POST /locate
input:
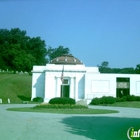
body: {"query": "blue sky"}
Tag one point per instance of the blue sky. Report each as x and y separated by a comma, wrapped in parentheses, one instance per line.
(94, 30)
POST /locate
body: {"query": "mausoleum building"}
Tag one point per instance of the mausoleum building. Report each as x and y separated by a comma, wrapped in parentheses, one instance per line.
(67, 76)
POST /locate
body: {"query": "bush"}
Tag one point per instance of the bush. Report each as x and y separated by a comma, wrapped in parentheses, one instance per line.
(111, 100)
(130, 98)
(60, 100)
(103, 100)
(137, 98)
(108, 100)
(95, 101)
(60, 106)
(38, 99)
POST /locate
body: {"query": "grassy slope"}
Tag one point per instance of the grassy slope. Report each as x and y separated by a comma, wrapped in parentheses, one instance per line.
(17, 87)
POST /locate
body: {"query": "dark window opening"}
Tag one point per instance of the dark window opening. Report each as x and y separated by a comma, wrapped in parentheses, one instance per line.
(122, 87)
(65, 89)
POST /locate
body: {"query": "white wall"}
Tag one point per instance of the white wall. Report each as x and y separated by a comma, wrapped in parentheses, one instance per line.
(38, 85)
(85, 82)
(53, 84)
(135, 85)
(92, 91)
(98, 85)
(47, 80)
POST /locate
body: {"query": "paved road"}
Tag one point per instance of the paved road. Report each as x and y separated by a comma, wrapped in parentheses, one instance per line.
(43, 126)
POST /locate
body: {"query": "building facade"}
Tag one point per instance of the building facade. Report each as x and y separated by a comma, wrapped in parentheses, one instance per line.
(67, 76)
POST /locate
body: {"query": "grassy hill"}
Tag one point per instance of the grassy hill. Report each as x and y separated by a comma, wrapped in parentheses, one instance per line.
(16, 87)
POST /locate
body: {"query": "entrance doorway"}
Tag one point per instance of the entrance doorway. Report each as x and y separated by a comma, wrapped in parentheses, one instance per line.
(65, 90)
(122, 86)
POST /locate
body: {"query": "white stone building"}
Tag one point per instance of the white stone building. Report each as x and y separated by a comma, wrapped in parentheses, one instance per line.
(66, 76)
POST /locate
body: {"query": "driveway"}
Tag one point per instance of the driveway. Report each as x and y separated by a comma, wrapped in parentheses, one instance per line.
(47, 126)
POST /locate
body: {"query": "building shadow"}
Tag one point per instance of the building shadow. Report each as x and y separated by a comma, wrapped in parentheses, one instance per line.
(81, 88)
(40, 86)
(100, 128)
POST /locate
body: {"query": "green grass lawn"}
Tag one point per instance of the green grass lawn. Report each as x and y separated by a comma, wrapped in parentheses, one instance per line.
(16, 87)
(64, 111)
(133, 104)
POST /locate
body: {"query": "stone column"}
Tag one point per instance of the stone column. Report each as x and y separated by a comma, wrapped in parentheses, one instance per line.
(75, 88)
(57, 87)
(72, 88)
(56, 81)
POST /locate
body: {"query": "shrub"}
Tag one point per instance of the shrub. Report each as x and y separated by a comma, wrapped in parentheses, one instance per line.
(111, 100)
(130, 98)
(103, 100)
(108, 100)
(137, 98)
(60, 106)
(60, 100)
(38, 99)
(95, 101)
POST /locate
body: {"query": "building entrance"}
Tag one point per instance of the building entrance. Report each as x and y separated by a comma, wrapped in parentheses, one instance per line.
(65, 88)
(122, 86)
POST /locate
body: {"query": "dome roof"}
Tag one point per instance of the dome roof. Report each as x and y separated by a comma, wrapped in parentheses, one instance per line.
(66, 59)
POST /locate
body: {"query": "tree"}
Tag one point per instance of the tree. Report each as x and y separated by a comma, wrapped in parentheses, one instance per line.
(37, 48)
(137, 70)
(55, 52)
(20, 52)
(127, 70)
(105, 64)
(20, 59)
(104, 68)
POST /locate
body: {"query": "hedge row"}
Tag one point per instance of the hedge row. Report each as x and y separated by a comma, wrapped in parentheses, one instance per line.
(59, 100)
(95, 101)
(59, 106)
(128, 98)
(103, 100)
(110, 100)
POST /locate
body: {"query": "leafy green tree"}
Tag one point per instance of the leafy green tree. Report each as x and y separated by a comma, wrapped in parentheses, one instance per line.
(127, 70)
(105, 64)
(137, 70)
(20, 52)
(104, 68)
(55, 52)
(37, 48)
(115, 70)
